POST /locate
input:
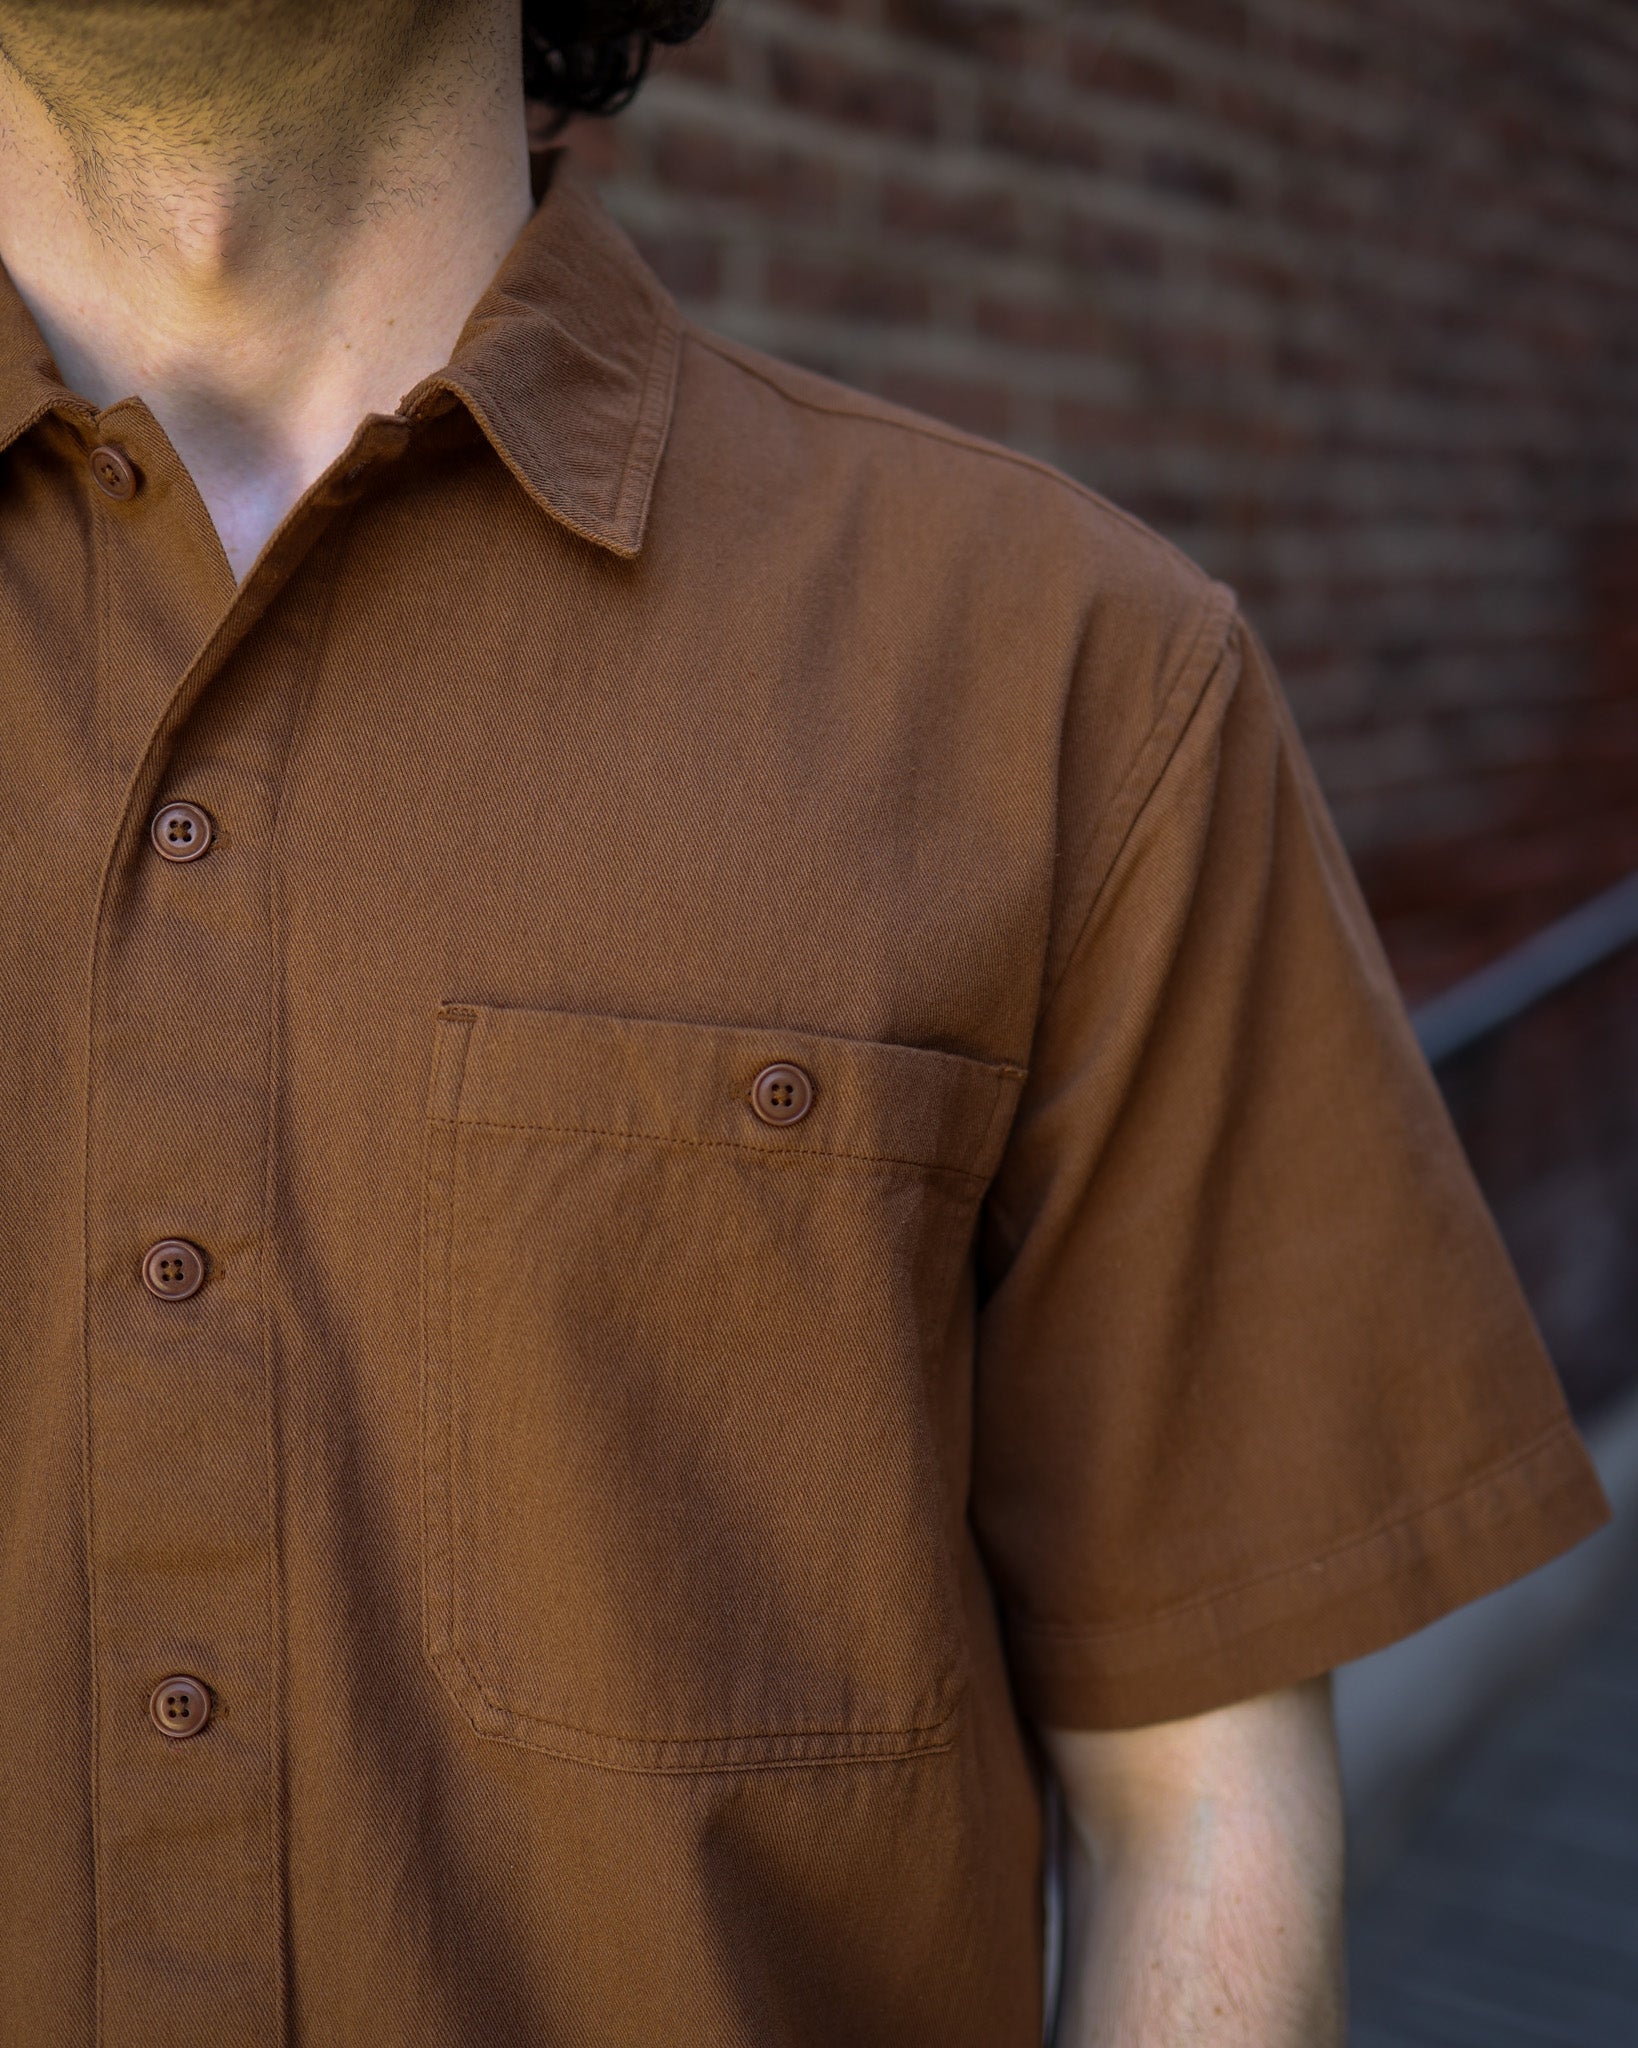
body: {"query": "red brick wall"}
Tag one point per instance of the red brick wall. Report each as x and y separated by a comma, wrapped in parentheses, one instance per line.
(1343, 298)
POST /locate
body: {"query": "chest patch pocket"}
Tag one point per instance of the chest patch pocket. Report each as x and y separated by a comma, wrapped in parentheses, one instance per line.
(682, 1285)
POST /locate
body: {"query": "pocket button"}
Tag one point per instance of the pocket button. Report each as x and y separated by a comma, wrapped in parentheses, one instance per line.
(782, 1093)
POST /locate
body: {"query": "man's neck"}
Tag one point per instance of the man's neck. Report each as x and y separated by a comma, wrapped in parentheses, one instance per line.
(263, 220)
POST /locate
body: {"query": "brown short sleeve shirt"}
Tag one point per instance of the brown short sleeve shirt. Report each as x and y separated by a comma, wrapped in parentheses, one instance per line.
(698, 1111)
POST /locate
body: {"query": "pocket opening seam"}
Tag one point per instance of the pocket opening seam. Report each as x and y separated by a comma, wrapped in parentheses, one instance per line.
(769, 1152)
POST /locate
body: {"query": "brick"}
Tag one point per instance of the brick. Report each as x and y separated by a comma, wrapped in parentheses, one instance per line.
(605, 147)
(1085, 431)
(1044, 323)
(699, 160)
(690, 265)
(1218, 21)
(707, 59)
(868, 12)
(1253, 109)
(1041, 130)
(785, 183)
(1091, 242)
(981, 405)
(1191, 174)
(893, 99)
(988, 31)
(985, 216)
(1333, 52)
(850, 289)
(1276, 280)
(1096, 61)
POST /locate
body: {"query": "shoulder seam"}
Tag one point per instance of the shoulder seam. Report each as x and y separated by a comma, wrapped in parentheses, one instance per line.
(931, 429)
(1199, 662)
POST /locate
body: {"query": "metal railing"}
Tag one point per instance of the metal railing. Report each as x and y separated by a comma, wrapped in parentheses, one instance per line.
(1497, 993)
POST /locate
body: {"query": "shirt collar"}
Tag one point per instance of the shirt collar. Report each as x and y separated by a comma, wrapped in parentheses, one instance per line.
(568, 363)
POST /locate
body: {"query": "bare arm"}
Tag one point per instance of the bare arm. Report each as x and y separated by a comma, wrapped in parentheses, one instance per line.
(1203, 1879)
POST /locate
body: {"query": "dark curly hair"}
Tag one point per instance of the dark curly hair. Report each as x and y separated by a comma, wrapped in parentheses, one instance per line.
(589, 56)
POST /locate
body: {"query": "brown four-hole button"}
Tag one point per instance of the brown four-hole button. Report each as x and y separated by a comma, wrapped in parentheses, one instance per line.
(782, 1093)
(179, 1707)
(173, 1269)
(113, 472)
(182, 831)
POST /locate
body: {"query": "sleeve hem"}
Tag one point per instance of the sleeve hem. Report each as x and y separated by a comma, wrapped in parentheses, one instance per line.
(1276, 1630)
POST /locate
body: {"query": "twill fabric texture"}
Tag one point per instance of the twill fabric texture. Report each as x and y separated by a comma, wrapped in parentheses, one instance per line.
(792, 1150)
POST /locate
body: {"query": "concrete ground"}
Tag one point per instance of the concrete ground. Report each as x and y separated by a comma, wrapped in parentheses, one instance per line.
(1508, 1916)
(1406, 1712)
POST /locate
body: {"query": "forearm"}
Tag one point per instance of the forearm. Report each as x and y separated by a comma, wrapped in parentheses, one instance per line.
(1208, 1913)
(1218, 1938)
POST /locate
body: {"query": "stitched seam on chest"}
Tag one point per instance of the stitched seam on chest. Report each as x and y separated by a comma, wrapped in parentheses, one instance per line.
(318, 628)
(767, 1152)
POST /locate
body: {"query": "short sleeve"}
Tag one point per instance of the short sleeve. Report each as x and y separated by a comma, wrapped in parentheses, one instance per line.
(1257, 1390)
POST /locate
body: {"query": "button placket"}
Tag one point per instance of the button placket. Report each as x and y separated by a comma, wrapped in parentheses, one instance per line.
(183, 1495)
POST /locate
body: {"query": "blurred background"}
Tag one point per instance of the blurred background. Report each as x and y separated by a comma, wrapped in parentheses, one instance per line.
(1344, 300)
